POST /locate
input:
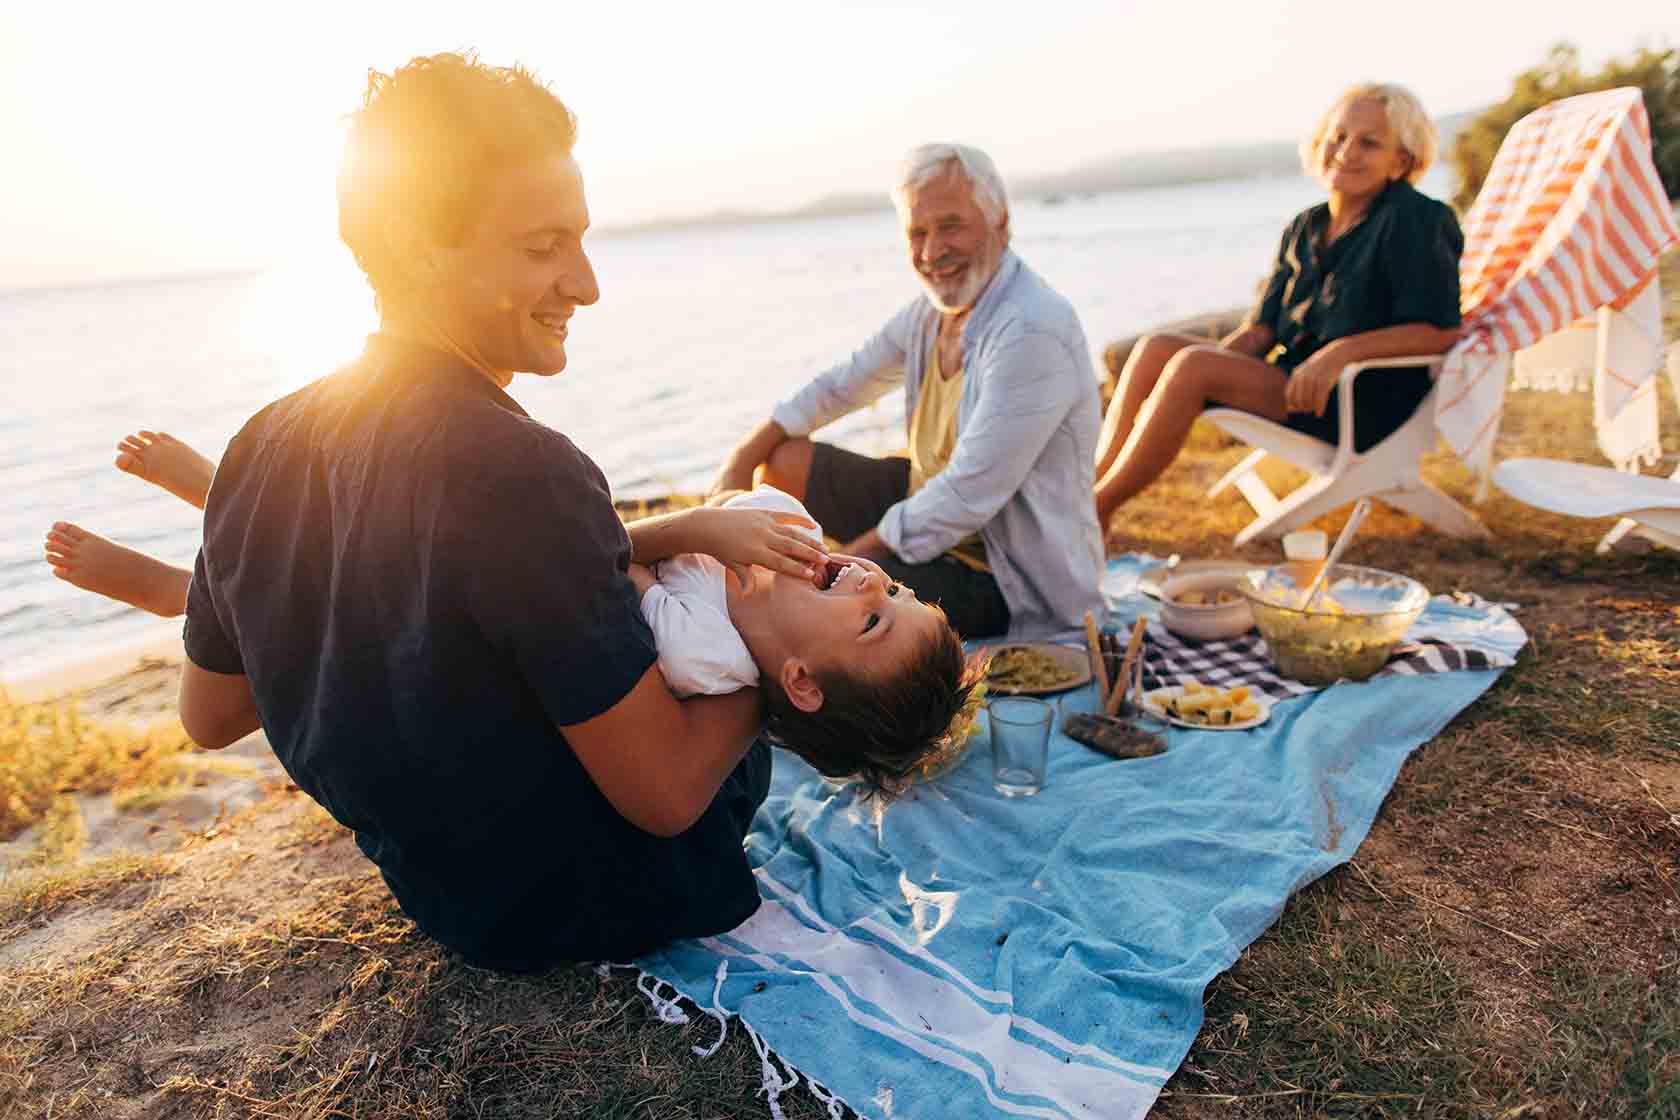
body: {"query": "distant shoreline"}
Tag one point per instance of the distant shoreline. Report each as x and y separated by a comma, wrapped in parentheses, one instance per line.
(1050, 190)
(1111, 174)
(1174, 167)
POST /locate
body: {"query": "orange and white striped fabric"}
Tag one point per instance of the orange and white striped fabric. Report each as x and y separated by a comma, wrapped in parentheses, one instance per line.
(1571, 220)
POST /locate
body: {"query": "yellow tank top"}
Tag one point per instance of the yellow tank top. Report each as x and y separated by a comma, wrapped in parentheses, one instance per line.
(933, 437)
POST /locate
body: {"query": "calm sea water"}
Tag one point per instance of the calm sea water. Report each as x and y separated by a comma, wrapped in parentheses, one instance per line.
(698, 332)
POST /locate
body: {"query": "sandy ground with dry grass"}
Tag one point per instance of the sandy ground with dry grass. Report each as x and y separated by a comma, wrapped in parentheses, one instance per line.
(1506, 943)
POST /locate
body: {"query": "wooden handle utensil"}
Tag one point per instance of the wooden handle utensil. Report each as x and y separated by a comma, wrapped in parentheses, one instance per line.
(1099, 671)
(1130, 668)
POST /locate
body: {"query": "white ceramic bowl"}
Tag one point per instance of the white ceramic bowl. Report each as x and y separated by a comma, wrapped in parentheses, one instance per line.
(1208, 621)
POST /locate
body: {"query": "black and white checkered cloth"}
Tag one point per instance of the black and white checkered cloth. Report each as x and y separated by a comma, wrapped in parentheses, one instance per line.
(1171, 660)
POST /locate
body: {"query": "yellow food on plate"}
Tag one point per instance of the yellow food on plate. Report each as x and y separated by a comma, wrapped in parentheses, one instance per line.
(1195, 702)
(1201, 702)
(1020, 667)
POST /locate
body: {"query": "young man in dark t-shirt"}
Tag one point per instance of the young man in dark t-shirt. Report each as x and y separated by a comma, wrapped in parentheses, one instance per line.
(421, 593)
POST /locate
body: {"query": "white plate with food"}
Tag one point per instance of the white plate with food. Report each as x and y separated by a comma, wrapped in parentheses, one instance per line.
(1207, 708)
(1036, 668)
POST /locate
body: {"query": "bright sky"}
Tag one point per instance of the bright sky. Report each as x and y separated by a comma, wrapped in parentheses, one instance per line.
(171, 137)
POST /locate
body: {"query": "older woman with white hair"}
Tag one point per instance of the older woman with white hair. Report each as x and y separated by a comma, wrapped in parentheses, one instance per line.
(1371, 272)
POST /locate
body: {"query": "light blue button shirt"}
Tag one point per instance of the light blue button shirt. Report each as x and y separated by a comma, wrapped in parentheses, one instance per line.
(1021, 472)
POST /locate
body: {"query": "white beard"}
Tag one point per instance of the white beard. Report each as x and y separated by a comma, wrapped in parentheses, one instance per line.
(974, 283)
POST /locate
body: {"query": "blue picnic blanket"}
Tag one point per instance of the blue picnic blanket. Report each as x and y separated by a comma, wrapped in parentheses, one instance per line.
(958, 953)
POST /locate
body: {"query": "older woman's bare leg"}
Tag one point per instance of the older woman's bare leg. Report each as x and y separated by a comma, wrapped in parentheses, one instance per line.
(1144, 364)
(165, 461)
(95, 564)
(1194, 377)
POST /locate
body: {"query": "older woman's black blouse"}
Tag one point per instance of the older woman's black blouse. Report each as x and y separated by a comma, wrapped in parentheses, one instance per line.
(1399, 265)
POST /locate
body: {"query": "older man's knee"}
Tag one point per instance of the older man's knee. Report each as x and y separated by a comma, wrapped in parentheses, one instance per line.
(789, 467)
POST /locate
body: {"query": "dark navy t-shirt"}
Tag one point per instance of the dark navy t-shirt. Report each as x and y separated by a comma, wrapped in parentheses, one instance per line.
(422, 583)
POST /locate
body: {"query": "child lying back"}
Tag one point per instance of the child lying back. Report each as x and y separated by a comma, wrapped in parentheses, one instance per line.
(860, 678)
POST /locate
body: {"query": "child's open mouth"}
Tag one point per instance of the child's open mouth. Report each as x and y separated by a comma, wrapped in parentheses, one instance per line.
(832, 572)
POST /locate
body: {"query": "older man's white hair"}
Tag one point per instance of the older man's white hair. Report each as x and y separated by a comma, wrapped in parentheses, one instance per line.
(928, 161)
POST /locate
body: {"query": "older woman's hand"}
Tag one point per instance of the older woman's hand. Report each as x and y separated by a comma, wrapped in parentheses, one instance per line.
(1309, 386)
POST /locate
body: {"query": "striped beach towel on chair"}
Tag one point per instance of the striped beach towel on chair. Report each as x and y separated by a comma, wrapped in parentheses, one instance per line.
(1570, 222)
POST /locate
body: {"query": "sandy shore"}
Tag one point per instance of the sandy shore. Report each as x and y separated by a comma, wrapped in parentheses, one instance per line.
(89, 668)
(137, 683)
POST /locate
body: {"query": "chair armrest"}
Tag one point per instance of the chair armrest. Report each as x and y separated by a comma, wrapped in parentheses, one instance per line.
(1433, 361)
(1344, 399)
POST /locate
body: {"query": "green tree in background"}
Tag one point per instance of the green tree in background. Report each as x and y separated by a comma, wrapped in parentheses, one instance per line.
(1656, 73)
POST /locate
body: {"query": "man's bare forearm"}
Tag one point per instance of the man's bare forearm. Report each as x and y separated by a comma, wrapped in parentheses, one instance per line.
(216, 709)
(717, 732)
(686, 766)
(665, 535)
(660, 760)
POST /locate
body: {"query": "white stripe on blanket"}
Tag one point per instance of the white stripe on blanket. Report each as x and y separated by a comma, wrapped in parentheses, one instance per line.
(934, 1019)
(990, 995)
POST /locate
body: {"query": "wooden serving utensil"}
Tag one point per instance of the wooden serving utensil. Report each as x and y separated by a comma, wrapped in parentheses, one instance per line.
(1099, 671)
(1360, 509)
(1130, 675)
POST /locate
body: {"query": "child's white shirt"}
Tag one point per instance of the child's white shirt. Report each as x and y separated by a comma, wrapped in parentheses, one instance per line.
(700, 651)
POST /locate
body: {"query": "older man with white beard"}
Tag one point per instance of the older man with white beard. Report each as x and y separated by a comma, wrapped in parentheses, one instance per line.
(990, 513)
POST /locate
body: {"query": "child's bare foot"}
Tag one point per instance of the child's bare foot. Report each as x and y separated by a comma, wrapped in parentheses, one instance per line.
(163, 460)
(95, 564)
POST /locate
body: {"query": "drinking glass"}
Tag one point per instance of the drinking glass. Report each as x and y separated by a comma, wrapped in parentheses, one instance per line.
(1020, 728)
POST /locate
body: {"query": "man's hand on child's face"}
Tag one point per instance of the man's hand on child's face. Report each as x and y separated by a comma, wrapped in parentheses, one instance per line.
(741, 538)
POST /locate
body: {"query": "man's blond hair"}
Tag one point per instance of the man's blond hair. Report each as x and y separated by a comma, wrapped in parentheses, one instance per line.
(418, 155)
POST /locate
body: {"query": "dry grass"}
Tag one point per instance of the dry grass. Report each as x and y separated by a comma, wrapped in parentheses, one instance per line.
(49, 751)
(267, 973)
(1507, 943)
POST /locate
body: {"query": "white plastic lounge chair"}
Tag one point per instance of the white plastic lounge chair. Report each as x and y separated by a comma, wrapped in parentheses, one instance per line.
(1648, 504)
(1571, 220)
(1390, 471)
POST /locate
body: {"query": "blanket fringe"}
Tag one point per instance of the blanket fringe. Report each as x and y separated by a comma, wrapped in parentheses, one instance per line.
(836, 1108)
(772, 1084)
(668, 1010)
(717, 1012)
